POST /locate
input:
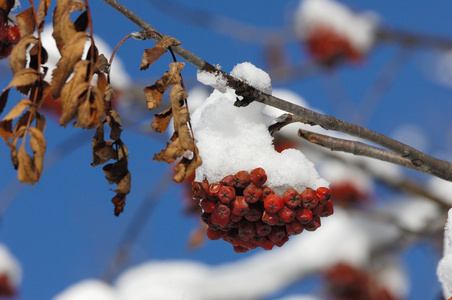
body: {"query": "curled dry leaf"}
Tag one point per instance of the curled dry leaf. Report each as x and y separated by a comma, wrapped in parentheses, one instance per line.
(152, 54)
(42, 12)
(18, 58)
(63, 27)
(91, 111)
(29, 168)
(154, 93)
(26, 22)
(70, 55)
(23, 80)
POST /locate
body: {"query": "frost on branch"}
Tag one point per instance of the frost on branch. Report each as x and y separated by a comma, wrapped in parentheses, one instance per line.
(333, 32)
(237, 148)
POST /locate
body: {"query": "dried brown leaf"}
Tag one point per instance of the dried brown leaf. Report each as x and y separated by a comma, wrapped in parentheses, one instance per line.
(102, 83)
(167, 41)
(40, 121)
(6, 129)
(124, 184)
(70, 55)
(119, 202)
(155, 92)
(115, 125)
(181, 117)
(18, 109)
(18, 59)
(102, 65)
(109, 93)
(26, 22)
(42, 12)
(24, 79)
(63, 27)
(91, 111)
(114, 172)
(6, 6)
(26, 171)
(38, 146)
(150, 56)
(161, 121)
(172, 151)
(187, 166)
(71, 102)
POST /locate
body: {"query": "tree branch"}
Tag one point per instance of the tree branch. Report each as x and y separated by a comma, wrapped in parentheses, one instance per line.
(418, 160)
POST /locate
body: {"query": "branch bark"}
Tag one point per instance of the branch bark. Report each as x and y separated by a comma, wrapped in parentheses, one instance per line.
(418, 160)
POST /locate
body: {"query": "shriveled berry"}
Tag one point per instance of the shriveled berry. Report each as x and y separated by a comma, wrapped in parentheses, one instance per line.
(282, 241)
(220, 215)
(323, 194)
(269, 218)
(286, 214)
(273, 203)
(231, 237)
(235, 218)
(242, 179)
(198, 190)
(314, 224)
(257, 240)
(304, 215)
(266, 190)
(294, 227)
(277, 234)
(262, 228)
(239, 206)
(253, 214)
(246, 229)
(252, 193)
(207, 205)
(214, 188)
(240, 249)
(327, 209)
(258, 176)
(228, 180)
(267, 244)
(213, 234)
(309, 198)
(226, 194)
(291, 198)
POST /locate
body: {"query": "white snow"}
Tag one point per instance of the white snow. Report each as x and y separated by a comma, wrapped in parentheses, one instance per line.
(10, 266)
(444, 270)
(90, 289)
(231, 139)
(330, 14)
(217, 81)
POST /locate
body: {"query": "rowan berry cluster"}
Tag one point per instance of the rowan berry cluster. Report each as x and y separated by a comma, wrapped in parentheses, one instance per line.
(9, 36)
(345, 282)
(245, 212)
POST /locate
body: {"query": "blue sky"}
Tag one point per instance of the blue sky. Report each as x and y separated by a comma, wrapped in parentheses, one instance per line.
(63, 229)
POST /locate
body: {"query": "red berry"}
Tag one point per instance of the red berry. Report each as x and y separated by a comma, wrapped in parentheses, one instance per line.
(309, 198)
(253, 214)
(273, 203)
(13, 34)
(231, 237)
(292, 198)
(304, 215)
(277, 234)
(242, 179)
(286, 214)
(314, 224)
(282, 241)
(269, 218)
(258, 176)
(239, 206)
(213, 234)
(252, 193)
(214, 188)
(323, 194)
(294, 227)
(228, 180)
(207, 205)
(226, 194)
(257, 240)
(325, 209)
(262, 228)
(220, 215)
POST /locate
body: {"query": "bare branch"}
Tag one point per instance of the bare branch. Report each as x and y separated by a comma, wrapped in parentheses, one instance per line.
(418, 160)
(412, 39)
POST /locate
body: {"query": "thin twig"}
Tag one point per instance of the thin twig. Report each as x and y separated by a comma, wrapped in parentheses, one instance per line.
(412, 39)
(418, 160)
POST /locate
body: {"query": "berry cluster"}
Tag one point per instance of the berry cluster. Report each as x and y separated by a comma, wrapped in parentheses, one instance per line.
(245, 212)
(9, 36)
(329, 47)
(345, 282)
